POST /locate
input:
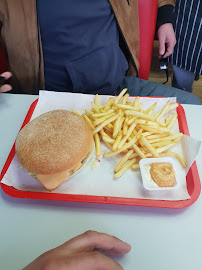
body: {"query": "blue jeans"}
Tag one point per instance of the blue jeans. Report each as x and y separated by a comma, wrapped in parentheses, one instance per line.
(139, 87)
(182, 79)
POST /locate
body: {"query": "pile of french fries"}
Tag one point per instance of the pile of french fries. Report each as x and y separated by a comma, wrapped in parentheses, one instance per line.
(135, 133)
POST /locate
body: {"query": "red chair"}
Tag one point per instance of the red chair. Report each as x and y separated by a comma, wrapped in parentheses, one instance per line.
(147, 20)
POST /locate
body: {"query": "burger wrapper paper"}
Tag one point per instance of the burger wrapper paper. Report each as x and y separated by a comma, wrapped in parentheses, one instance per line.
(99, 181)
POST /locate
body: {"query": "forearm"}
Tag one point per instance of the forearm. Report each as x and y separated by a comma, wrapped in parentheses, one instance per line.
(164, 27)
(165, 14)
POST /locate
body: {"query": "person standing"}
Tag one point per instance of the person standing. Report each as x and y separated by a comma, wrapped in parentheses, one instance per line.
(186, 58)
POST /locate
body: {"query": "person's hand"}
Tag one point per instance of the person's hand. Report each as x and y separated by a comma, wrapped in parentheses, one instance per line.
(5, 87)
(83, 253)
(167, 39)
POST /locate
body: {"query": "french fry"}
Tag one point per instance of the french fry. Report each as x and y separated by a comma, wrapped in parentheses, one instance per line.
(123, 161)
(173, 106)
(94, 164)
(96, 115)
(101, 107)
(165, 143)
(139, 151)
(146, 134)
(76, 112)
(107, 139)
(164, 148)
(103, 133)
(88, 121)
(134, 155)
(109, 103)
(121, 123)
(167, 138)
(157, 114)
(89, 113)
(106, 122)
(97, 144)
(139, 133)
(167, 119)
(102, 119)
(136, 102)
(126, 146)
(125, 168)
(140, 106)
(130, 130)
(176, 140)
(97, 100)
(160, 144)
(108, 130)
(116, 142)
(129, 103)
(143, 148)
(119, 112)
(125, 126)
(146, 122)
(151, 123)
(164, 110)
(95, 107)
(148, 146)
(140, 114)
(131, 120)
(161, 124)
(116, 127)
(154, 136)
(140, 121)
(123, 102)
(126, 107)
(135, 166)
(151, 108)
(120, 96)
(154, 129)
(181, 160)
(172, 121)
(110, 125)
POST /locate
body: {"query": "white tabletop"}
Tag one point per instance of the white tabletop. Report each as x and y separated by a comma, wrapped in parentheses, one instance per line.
(160, 238)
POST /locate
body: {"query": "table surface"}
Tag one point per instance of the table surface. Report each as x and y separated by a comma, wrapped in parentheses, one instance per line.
(160, 238)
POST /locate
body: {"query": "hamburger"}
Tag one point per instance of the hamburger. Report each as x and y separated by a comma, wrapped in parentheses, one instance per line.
(54, 146)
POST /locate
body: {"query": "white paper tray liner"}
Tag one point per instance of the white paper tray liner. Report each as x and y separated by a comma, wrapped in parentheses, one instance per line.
(99, 181)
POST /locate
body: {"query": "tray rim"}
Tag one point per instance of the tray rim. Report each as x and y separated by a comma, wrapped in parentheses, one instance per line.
(13, 192)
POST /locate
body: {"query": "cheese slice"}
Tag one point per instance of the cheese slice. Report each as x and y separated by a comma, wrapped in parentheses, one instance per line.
(51, 181)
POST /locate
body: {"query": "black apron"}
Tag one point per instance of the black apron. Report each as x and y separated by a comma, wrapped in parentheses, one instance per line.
(187, 53)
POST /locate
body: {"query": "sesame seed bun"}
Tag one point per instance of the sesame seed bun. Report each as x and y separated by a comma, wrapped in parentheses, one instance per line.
(53, 142)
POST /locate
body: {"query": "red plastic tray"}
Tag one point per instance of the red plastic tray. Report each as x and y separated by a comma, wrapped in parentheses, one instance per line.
(193, 181)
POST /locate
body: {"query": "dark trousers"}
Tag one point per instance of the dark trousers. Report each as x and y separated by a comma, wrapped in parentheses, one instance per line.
(139, 87)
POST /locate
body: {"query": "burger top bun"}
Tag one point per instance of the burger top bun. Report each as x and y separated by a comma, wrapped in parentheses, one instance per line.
(53, 142)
